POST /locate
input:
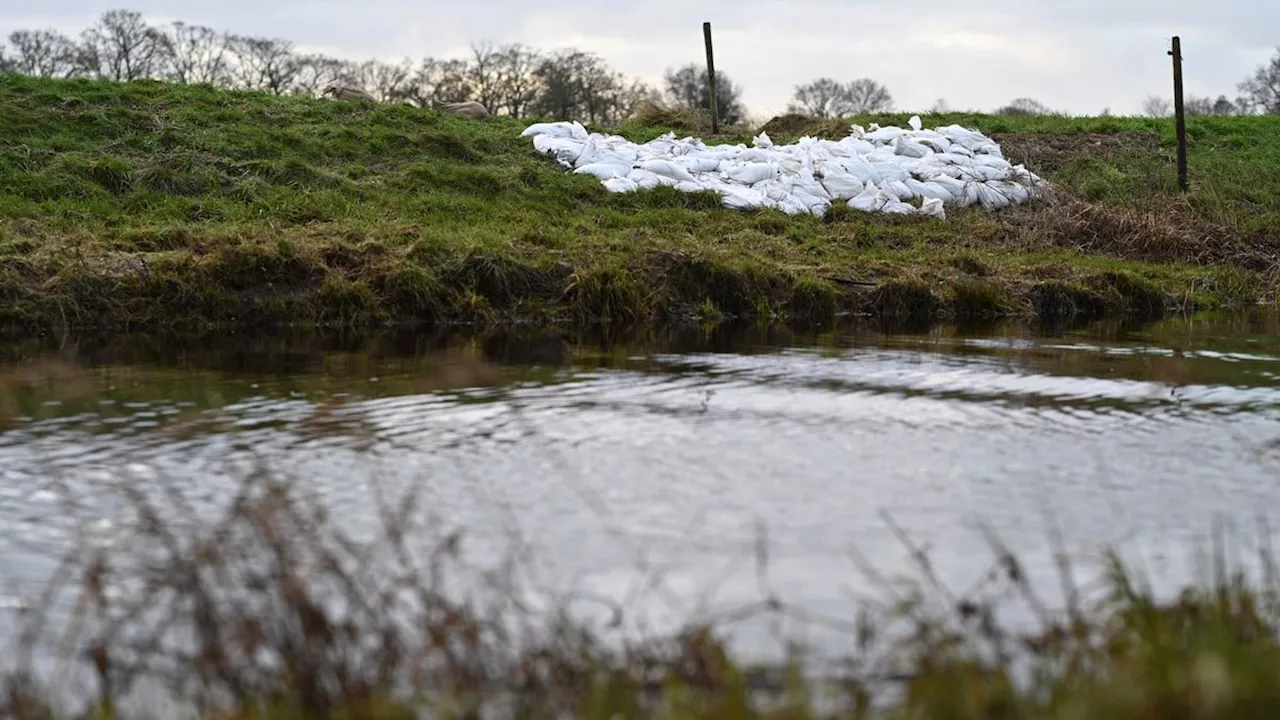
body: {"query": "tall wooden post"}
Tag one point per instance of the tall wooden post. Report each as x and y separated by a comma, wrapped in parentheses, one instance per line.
(1180, 118)
(711, 79)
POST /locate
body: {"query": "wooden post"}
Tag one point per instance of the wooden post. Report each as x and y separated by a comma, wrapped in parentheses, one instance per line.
(711, 79)
(1180, 118)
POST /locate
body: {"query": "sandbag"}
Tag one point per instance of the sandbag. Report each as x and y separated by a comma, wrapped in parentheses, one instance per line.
(752, 173)
(647, 180)
(842, 186)
(620, 185)
(930, 190)
(933, 207)
(603, 170)
(571, 130)
(905, 147)
(668, 169)
(564, 150)
(876, 169)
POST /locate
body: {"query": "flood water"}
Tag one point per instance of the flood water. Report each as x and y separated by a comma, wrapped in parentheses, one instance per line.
(652, 469)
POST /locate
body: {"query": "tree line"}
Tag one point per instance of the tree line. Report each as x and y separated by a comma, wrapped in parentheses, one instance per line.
(513, 79)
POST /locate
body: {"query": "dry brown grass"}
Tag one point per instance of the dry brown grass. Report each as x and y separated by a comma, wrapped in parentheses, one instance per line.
(1171, 234)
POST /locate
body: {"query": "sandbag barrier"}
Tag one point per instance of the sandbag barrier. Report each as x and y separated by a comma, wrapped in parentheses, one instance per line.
(876, 169)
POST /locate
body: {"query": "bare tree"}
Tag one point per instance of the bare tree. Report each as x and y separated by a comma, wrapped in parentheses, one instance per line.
(438, 81)
(690, 88)
(42, 53)
(316, 72)
(195, 54)
(383, 80)
(265, 64)
(6, 64)
(485, 74)
(1156, 106)
(121, 46)
(866, 95)
(1024, 106)
(1261, 92)
(519, 84)
(823, 97)
(939, 106)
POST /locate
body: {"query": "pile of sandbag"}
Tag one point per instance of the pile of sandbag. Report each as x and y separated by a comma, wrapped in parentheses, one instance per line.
(891, 170)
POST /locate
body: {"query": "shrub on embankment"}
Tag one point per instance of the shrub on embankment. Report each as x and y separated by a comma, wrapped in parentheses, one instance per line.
(149, 204)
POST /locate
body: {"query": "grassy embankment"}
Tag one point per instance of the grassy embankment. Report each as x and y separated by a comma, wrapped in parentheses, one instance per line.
(149, 205)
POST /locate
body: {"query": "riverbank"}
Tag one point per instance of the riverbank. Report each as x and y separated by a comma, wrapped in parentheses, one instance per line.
(150, 205)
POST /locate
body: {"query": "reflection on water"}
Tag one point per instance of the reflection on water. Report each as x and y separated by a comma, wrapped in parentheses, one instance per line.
(677, 447)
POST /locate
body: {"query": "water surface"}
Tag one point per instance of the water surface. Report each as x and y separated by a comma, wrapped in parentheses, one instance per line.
(648, 469)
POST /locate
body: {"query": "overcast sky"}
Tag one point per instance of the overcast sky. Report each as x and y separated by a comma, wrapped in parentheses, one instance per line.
(1079, 56)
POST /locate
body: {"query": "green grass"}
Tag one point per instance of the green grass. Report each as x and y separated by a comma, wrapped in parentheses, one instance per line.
(147, 205)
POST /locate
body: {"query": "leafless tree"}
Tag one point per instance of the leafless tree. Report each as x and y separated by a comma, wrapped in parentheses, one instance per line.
(1261, 92)
(42, 53)
(121, 46)
(485, 74)
(1024, 106)
(865, 95)
(1156, 106)
(519, 84)
(823, 97)
(438, 81)
(195, 54)
(316, 72)
(384, 81)
(265, 64)
(690, 88)
(939, 106)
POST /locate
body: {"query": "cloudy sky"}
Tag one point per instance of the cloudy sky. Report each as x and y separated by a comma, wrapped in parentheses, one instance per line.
(1079, 56)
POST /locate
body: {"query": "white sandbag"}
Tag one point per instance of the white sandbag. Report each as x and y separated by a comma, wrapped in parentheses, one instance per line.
(668, 169)
(603, 170)
(933, 207)
(890, 171)
(907, 148)
(647, 180)
(842, 186)
(571, 130)
(620, 185)
(564, 150)
(860, 169)
(884, 136)
(915, 123)
(871, 199)
(992, 198)
(898, 189)
(752, 173)
(700, 163)
(930, 190)
(951, 185)
(877, 170)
